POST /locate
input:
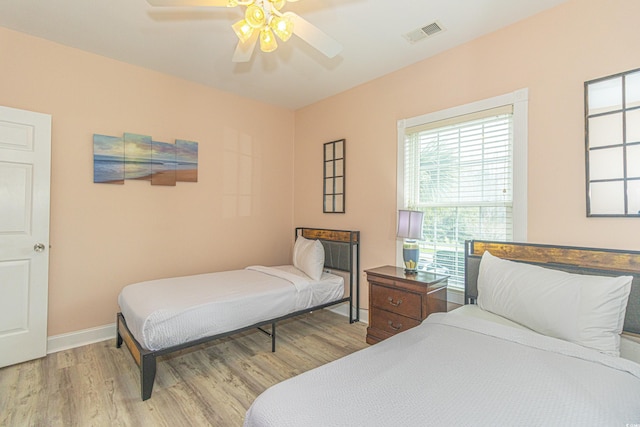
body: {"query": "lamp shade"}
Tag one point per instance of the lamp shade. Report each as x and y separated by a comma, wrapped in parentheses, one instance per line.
(283, 27)
(255, 16)
(267, 40)
(410, 224)
(243, 30)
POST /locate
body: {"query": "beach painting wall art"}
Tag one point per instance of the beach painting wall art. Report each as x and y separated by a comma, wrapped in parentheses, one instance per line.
(138, 157)
(187, 160)
(163, 163)
(108, 159)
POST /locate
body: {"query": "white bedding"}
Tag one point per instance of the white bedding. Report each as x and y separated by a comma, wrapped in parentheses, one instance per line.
(629, 345)
(460, 370)
(167, 312)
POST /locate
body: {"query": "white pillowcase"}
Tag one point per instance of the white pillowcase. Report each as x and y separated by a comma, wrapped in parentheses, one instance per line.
(584, 309)
(308, 256)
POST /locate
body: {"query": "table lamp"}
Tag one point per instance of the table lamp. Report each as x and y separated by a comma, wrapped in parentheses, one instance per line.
(410, 229)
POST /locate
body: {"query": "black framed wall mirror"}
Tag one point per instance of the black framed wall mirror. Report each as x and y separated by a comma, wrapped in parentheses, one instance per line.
(334, 176)
(612, 140)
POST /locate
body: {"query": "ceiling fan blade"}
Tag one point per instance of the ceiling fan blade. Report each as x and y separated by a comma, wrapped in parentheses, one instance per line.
(244, 51)
(313, 35)
(188, 3)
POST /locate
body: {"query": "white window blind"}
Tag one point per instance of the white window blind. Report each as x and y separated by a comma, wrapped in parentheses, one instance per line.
(459, 171)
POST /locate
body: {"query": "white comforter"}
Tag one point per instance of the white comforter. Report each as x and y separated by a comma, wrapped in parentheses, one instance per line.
(167, 312)
(459, 371)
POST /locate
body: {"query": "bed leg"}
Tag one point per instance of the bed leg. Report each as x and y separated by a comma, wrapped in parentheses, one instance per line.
(118, 336)
(273, 337)
(147, 375)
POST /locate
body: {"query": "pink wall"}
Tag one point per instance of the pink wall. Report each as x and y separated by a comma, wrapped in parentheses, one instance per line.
(106, 236)
(552, 54)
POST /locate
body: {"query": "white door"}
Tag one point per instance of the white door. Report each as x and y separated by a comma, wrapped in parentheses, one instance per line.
(25, 166)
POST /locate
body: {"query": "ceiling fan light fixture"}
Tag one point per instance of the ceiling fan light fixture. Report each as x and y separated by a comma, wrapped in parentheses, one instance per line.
(267, 40)
(255, 16)
(243, 30)
(264, 20)
(282, 26)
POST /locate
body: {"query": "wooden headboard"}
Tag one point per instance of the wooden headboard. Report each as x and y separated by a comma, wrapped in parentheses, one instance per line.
(602, 262)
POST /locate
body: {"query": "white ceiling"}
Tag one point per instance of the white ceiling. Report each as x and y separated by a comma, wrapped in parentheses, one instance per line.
(197, 43)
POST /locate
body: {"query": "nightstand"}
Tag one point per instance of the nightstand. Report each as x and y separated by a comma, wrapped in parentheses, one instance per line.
(399, 301)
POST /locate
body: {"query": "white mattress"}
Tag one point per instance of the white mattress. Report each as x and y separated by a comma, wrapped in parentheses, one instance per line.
(461, 370)
(167, 312)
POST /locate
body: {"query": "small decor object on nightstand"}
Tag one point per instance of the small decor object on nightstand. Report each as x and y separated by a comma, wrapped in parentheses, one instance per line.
(410, 229)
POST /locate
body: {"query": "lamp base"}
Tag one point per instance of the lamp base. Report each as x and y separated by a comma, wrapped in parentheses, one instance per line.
(411, 256)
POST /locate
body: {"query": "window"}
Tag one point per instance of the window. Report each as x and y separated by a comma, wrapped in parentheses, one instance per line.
(612, 120)
(465, 168)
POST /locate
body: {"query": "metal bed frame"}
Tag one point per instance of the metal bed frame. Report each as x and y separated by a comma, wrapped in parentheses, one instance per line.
(342, 253)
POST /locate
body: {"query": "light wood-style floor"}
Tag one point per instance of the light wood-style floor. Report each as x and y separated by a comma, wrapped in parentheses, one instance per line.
(208, 385)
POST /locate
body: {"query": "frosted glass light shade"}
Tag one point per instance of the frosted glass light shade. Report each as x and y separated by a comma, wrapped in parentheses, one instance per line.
(267, 40)
(255, 16)
(243, 30)
(410, 224)
(283, 27)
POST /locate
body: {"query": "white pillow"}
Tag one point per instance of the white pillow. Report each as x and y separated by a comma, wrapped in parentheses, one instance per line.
(584, 309)
(308, 256)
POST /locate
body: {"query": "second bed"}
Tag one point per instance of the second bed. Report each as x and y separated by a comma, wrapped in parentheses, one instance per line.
(166, 315)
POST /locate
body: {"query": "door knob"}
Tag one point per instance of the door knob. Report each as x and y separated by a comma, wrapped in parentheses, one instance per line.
(38, 247)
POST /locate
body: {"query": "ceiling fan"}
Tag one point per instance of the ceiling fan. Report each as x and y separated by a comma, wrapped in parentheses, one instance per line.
(263, 19)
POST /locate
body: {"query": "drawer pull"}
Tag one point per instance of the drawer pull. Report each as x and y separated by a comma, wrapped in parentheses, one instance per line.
(394, 327)
(395, 304)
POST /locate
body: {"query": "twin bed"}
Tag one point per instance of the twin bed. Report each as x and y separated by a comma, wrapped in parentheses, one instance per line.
(537, 343)
(166, 315)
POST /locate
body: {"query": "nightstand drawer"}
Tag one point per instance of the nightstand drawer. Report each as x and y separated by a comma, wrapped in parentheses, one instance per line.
(397, 301)
(391, 323)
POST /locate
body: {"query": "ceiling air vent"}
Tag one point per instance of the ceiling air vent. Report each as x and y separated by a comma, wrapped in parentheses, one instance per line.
(424, 32)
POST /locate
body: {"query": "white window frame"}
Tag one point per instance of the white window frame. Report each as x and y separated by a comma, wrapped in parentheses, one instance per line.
(519, 99)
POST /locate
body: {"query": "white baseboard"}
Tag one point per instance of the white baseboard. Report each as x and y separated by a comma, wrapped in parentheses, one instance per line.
(343, 309)
(69, 340)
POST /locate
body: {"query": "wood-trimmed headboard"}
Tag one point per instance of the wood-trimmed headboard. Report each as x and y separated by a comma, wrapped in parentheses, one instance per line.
(338, 246)
(341, 252)
(602, 262)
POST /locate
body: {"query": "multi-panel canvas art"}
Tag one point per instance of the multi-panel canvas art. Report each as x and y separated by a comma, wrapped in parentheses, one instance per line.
(138, 157)
(163, 163)
(187, 160)
(108, 159)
